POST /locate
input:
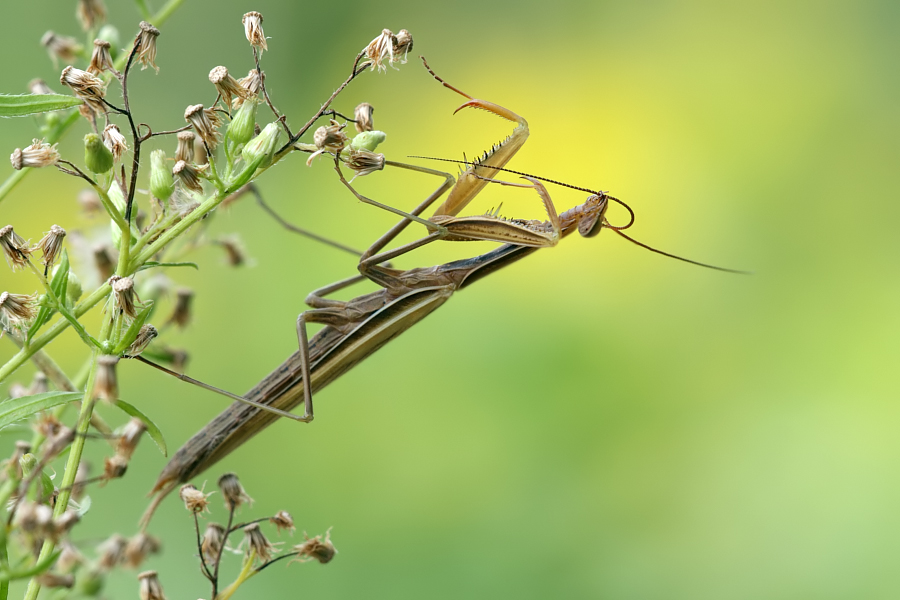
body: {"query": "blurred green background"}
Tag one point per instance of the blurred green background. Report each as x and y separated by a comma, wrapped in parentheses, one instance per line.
(595, 421)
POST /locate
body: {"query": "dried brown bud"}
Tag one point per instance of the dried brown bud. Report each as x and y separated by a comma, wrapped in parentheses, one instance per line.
(131, 435)
(181, 316)
(60, 47)
(253, 30)
(185, 149)
(213, 538)
(364, 162)
(316, 549)
(206, 123)
(227, 85)
(16, 308)
(106, 385)
(114, 141)
(138, 548)
(39, 86)
(194, 500)
(35, 156)
(364, 117)
(64, 523)
(147, 41)
(112, 552)
(86, 86)
(101, 59)
(252, 83)
(103, 261)
(283, 521)
(54, 580)
(114, 467)
(69, 558)
(403, 43)
(15, 248)
(234, 251)
(91, 13)
(188, 176)
(257, 542)
(47, 425)
(328, 139)
(124, 295)
(233, 492)
(51, 244)
(34, 518)
(150, 586)
(146, 335)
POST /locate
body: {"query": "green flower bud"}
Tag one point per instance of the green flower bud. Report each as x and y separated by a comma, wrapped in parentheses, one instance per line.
(97, 157)
(73, 288)
(240, 130)
(262, 146)
(110, 34)
(89, 582)
(28, 462)
(368, 140)
(161, 182)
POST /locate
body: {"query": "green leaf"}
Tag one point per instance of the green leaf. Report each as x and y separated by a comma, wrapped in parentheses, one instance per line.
(58, 285)
(152, 429)
(134, 329)
(16, 409)
(150, 264)
(29, 104)
(35, 570)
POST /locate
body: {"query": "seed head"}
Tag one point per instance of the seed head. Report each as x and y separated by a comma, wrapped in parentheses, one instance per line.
(206, 123)
(364, 117)
(257, 542)
(114, 141)
(185, 149)
(233, 492)
(316, 549)
(213, 538)
(86, 86)
(328, 139)
(131, 435)
(147, 41)
(114, 467)
(51, 244)
(124, 294)
(101, 59)
(253, 30)
(181, 316)
(252, 83)
(227, 85)
(15, 248)
(138, 548)
(403, 43)
(364, 162)
(188, 176)
(103, 261)
(91, 13)
(106, 385)
(112, 551)
(16, 309)
(61, 47)
(37, 155)
(150, 586)
(39, 86)
(194, 500)
(283, 521)
(145, 335)
(380, 48)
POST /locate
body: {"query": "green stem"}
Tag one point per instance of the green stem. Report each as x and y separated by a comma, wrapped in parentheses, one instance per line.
(142, 8)
(61, 308)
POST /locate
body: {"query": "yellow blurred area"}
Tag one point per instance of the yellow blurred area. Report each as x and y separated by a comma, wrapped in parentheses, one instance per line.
(595, 421)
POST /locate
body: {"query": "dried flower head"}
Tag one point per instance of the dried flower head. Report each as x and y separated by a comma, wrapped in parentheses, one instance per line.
(47, 425)
(106, 384)
(185, 149)
(150, 586)
(233, 492)
(145, 335)
(101, 59)
(35, 156)
(380, 48)
(364, 117)
(403, 43)
(104, 262)
(194, 500)
(55, 580)
(86, 87)
(213, 538)
(131, 435)
(39, 86)
(51, 244)
(69, 558)
(139, 547)
(188, 176)
(17, 308)
(124, 295)
(316, 549)
(114, 467)
(15, 248)
(61, 47)
(234, 250)
(206, 123)
(181, 316)
(114, 141)
(112, 551)
(34, 518)
(227, 85)
(257, 542)
(91, 13)
(283, 521)
(253, 30)
(329, 139)
(64, 523)
(147, 41)
(364, 162)
(90, 202)
(252, 83)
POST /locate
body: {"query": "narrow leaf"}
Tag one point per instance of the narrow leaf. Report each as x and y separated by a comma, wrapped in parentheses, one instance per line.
(29, 104)
(59, 284)
(150, 264)
(152, 429)
(35, 570)
(16, 409)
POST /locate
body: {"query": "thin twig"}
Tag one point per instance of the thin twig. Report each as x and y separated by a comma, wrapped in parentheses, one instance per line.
(215, 582)
(262, 82)
(136, 139)
(200, 549)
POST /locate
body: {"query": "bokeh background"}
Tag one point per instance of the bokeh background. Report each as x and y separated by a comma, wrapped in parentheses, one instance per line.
(595, 421)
